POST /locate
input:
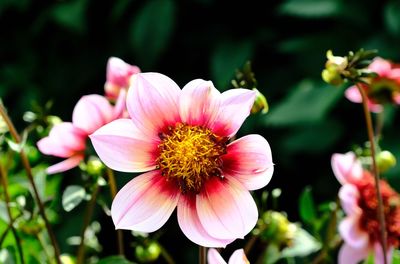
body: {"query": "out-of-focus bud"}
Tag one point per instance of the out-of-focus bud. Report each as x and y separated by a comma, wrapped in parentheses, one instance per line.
(385, 160)
(148, 253)
(94, 166)
(260, 103)
(334, 69)
(67, 259)
(53, 120)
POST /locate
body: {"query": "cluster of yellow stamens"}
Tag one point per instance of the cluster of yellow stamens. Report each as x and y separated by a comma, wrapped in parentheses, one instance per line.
(190, 155)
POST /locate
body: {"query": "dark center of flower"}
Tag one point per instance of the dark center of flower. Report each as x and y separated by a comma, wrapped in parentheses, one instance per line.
(190, 155)
(369, 205)
(382, 90)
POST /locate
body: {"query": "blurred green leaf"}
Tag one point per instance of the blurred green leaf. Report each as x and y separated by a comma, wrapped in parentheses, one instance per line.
(311, 8)
(307, 206)
(226, 58)
(272, 254)
(392, 17)
(118, 10)
(308, 103)
(396, 257)
(70, 14)
(304, 244)
(20, 5)
(151, 30)
(114, 260)
(7, 256)
(72, 197)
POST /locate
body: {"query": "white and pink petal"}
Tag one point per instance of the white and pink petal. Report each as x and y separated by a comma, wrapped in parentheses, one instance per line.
(65, 165)
(350, 231)
(346, 167)
(350, 255)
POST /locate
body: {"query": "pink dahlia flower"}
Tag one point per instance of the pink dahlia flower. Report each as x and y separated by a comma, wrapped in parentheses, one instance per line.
(385, 88)
(360, 228)
(118, 75)
(180, 139)
(238, 257)
(68, 139)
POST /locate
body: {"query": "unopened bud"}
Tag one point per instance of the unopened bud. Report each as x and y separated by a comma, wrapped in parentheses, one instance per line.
(148, 253)
(260, 103)
(385, 160)
(334, 68)
(94, 166)
(67, 259)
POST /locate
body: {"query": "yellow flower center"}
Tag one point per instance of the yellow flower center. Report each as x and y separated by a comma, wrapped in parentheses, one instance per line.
(190, 155)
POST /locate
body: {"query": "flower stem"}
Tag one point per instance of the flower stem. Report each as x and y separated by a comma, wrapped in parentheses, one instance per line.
(166, 255)
(113, 191)
(248, 246)
(8, 200)
(202, 255)
(27, 166)
(80, 256)
(381, 216)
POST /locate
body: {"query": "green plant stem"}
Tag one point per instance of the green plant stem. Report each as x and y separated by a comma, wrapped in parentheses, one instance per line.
(27, 166)
(80, 256)
(8, 200)
(113, 191)
(167, 257)
(202, 255)
(370, 130)
(249, 245)
(40, 239)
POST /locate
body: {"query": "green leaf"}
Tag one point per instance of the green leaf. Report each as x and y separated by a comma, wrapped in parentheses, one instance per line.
(272, 254)
(307, 206)
(311, 8)
(227, 57)
(114, 260)
(392, 18)
(308, 103)
(396, 257)
(7, 256)
(303, 245)
(70, 14)
(72, 197)
(151, 30)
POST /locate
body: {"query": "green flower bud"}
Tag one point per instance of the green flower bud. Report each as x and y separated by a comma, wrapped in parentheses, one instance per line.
(260, 103)
(94, 166)
(332, 76)
(148, 253)
(385, 160)
(67, 259)
(274, 227)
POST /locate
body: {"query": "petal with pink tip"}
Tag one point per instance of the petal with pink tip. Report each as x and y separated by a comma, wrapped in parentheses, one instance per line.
(349, 229)
(65, 164)
(353, 94)
(249, 160)
(91, 112)
(213, 257)
(120, 105)
(199, 103)
(119, 72)
(238, 257)
(346, 168)
(226, 209)
(350, 255)
(152, 102)
(349, 196)
(145, 203)
(122, 147)
(381, 66)
(379, 258)
(189, 222)
(235, 108)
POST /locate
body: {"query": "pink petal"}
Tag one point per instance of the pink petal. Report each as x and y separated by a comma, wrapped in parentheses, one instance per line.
(235, 108)
(381, 66)
(91, 112)
(379, 258)
(349, 197)
(249, 160)
(350, 255)
(122, 147)
(199, 103)
(226, 208)
(189, 222)
(145, 203)
(238, 257)
(65, 164)
(346, 167)
(213, 257)
(152, 102)
(353, 94)
(349, 229)
(119, 72)
(120, 105)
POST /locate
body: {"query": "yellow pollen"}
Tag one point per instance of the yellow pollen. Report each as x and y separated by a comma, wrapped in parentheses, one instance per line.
(190, 155)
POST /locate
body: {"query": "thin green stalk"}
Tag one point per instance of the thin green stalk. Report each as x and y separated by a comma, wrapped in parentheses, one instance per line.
(43, 244)
(375, 172)
(86, 220)
(8, 200)
(166, 255)
(113, 191)
(250, 243)
(202, 255)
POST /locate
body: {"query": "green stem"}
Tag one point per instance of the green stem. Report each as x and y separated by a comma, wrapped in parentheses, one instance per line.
(43, 244)
(113, 191)
(167, 256)
(86, 220)
(3, 177)
(202, 255)
(370, 130)
(249, 245)
(27, 166)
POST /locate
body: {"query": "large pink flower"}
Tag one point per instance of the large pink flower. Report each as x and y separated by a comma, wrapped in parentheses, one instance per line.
(360, 228)
(385, 88)
(237, 257)
(68, 140)
(118, 76)
(181, 138)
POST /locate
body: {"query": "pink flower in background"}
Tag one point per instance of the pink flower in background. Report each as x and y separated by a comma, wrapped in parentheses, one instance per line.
(385, 88)
(238, 257)
(360, 228)
(180, 139)
(118, 75)
(68, 140)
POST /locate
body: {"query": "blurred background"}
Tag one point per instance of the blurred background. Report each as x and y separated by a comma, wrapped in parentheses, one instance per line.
(58, 50)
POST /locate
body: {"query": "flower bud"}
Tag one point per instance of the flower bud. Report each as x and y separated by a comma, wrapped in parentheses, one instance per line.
(94, 166)
(260, 103)
(385, 160)
(148, 253)
(334, 68)
(67, 259)
(276, 228)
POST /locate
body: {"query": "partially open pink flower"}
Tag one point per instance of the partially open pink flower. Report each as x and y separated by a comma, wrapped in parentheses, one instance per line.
(68, 140)
(118, 75)
(385, 88)
(360, 228)
(238, 257)
(181, 137)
